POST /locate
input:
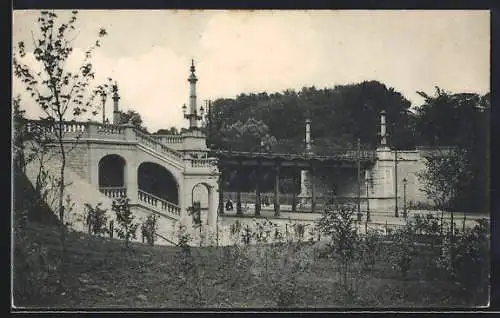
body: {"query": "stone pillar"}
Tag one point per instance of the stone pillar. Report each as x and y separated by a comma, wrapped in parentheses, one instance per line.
(313, 190)
(257, 190)
(131, 180)
(212, 207)
(238, 192)
(129, 132)
(193, 118)
(277, 191)
(383, 133)
(305, 188)
(116, 110)
(221, 191)
(294, 192)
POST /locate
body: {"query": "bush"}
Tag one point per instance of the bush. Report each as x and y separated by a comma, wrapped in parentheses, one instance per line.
(403, 250)
(278, 268)
(346, 247)
(465, 258)
(149, 228)
(96, 219)
(126, 229)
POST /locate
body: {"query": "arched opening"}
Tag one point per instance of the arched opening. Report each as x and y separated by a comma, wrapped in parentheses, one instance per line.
(204, 195)
(112, 172)
(158, 181)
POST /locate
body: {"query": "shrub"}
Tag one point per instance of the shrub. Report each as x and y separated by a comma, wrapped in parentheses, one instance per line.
(338, 224)
(465, 257)
(149, 228)
(403, 250)
(126, 229)
(96, 219)
(278, 267)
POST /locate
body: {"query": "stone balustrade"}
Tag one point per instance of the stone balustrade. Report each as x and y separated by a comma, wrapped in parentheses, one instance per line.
(203, 163)
(154, 144)
(168, 139)
(158, 203)
(93, 130)
(113, 192)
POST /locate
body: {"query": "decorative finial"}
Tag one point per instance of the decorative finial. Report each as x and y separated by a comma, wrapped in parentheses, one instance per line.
(192, 66)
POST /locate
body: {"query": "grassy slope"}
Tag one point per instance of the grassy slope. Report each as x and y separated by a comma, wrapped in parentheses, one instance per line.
(104, 274)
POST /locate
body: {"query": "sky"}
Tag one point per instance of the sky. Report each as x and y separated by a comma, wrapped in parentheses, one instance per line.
(148, 53)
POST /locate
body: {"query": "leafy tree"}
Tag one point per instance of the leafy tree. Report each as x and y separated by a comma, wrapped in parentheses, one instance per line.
(461, 121)
(60, 94)
(127, 228)
(339, 115)
(171, 131)
(251, 135)
(133, 117)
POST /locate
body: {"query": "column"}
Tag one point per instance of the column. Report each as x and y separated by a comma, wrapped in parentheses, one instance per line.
(313, 190)
(257, 189)
(132, 181)
(294, 191)
(212, 207)
(238, 191)
(277, 191)
(221, 191)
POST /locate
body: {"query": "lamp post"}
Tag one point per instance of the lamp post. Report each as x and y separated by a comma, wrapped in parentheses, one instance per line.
(396, 212)
(405, 213)
(103, 99)
(358, 159)
(367, 182)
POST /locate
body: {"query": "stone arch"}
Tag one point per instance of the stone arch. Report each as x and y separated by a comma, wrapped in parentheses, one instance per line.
(111, 171)
(157, 180)
(209, 205)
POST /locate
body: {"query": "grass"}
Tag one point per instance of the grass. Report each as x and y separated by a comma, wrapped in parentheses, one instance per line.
(102, 273)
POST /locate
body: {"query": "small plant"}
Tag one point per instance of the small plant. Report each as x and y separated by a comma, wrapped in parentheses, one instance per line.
(149, 228)
(337, 222)
(403, 248)
(126, 229)
(96, 219)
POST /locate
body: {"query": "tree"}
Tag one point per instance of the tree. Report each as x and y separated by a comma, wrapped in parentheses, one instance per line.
(462, 121)
(339, 116)
(61, 94)
(252, 135)
(133, 117)
(171, 131)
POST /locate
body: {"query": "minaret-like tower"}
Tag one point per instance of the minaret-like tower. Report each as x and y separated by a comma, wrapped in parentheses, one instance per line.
(116, 111)
(305, 194)
(383, 132)
(192, 116)
(308, 136)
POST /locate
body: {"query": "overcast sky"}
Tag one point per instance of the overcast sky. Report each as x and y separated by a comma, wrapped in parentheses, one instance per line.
(149, 53)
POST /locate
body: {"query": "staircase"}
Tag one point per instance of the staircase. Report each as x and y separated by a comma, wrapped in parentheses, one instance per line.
(81, 192)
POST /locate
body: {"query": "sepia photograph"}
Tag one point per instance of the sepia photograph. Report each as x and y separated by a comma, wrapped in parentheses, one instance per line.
(215, 160)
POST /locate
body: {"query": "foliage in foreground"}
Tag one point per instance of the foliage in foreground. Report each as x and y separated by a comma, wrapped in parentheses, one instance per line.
(273, 270)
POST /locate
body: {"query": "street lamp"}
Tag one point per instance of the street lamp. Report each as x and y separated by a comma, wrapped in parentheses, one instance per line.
(103, 99)
(367, 182)
(184, 109)
(405, 181)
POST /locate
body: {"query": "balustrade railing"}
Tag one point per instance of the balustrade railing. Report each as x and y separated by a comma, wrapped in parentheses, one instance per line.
(154, 144)
(107, 129)
(203, 163)
(158, 203)
(82, 130)
(113, 192)
(168, 139)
